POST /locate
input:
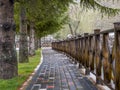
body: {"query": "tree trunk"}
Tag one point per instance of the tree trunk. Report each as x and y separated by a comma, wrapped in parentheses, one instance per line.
(32, 41)
(23, 52)
(75, 32)
(8, 57)
(36, 43)
(39, 43)
(71, 30)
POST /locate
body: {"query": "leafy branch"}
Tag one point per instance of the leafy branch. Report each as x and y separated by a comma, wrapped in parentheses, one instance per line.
(93, 4)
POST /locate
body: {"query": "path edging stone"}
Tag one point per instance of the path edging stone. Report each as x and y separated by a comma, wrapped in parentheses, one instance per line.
(26, 83)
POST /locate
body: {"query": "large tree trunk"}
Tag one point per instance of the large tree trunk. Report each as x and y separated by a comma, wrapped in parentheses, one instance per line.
(23, 52)
(8, 58)
(32, 40)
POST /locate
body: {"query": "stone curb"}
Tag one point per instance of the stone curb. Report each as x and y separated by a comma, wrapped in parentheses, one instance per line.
(26, 83)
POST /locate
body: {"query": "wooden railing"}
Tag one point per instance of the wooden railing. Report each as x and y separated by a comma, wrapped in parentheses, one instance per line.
(99, 53)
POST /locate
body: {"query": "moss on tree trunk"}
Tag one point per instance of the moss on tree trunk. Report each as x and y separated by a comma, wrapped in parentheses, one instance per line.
(8, 58)
(23, 52)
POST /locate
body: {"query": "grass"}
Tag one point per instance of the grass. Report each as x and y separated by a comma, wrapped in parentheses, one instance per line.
(24, 70)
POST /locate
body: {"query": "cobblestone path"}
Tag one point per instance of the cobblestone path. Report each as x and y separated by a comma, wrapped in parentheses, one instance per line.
(58, 73)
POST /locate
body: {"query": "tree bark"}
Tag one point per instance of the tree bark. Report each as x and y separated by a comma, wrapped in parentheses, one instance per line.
(39, 43)
(32, 40)
(71, 30)
(36, 43)
(75, 32)
(8, 57)
(23, 52)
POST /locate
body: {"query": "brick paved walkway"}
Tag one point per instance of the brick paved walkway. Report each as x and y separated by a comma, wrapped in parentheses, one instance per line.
(58, 73)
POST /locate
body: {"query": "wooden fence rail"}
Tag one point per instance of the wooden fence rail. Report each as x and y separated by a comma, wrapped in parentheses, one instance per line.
(99, 53)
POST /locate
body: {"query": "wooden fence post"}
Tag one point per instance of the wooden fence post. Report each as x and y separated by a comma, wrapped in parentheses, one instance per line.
(80, 52)
(77, 49)
(92, 53)
(70, 48)
(97, 56)
(117, 56)
(87, 72)
(84, 49)
(106, 57)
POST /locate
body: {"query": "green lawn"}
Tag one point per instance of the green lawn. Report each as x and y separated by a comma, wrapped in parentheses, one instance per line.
(24, 70)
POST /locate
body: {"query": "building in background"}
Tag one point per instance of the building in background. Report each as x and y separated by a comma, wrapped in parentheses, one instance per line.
(46, 41)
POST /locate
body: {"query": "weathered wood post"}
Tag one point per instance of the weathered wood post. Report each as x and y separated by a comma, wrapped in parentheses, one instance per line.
(97, 56)
(64, 46)
(71, 51)
(85, 49)
(76, 49)
(66, 50)
(87, 72)
(80, 52)
(106, 64)
(92, 53)
(117, 55)
(70, 47)
(67, 46)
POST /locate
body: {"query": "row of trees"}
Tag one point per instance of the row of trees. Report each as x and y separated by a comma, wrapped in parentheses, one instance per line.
(35, 18)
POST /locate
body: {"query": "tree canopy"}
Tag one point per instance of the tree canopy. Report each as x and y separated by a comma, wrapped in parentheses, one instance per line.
(48, 16)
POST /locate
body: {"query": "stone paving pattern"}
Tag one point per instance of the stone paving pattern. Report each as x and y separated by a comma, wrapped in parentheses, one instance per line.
(57, 72)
